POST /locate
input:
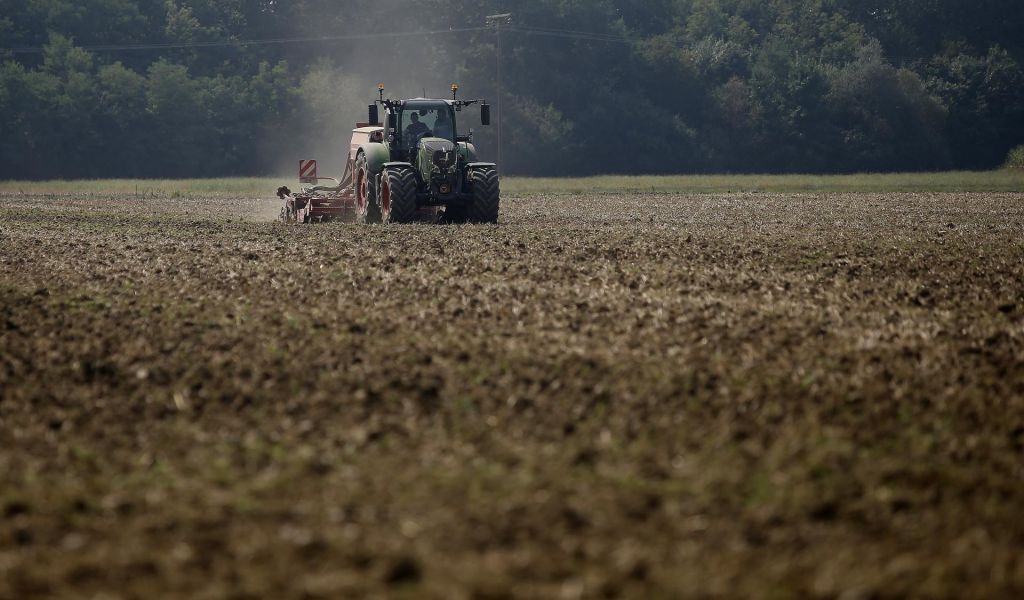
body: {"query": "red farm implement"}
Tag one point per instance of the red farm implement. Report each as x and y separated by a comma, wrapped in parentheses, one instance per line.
(339, 202)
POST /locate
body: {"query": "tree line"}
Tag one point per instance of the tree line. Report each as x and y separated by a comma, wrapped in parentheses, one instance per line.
(195, 88)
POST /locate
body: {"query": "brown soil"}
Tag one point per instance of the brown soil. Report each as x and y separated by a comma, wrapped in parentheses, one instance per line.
(612, 396)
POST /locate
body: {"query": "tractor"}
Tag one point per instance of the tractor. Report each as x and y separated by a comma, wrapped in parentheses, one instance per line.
(415, 165)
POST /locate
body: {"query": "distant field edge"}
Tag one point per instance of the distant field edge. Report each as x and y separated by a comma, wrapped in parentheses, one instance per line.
(951, 181)
(1006, 180)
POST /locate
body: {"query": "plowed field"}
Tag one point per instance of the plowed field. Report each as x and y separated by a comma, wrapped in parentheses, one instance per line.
(648, 396)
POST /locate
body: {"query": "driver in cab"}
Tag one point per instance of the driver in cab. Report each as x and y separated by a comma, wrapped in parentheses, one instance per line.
(416, 129)
(443, 126)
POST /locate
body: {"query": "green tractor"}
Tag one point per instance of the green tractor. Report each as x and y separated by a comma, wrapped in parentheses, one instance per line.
(416, 164)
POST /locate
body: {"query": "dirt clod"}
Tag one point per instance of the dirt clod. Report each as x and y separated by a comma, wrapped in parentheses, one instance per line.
(403, 571)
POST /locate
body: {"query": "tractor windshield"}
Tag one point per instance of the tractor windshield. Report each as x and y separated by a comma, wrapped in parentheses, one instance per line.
(422, 119)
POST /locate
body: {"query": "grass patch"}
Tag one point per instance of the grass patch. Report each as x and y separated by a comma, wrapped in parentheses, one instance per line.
(1015, 159)
(1006, 180)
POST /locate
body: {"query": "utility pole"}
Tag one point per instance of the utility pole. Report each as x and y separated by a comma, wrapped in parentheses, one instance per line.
(498, 21)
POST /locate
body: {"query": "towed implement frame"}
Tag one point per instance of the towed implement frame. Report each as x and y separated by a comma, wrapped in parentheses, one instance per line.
(324, 202)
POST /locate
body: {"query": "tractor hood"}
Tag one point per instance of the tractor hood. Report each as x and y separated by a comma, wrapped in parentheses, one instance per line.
(436, 154)
(432, 145)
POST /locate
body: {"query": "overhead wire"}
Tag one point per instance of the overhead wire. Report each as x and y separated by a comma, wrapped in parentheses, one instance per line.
(258, 42)
(523, 29)
(566, 33)
(562, 33)
(900, 60)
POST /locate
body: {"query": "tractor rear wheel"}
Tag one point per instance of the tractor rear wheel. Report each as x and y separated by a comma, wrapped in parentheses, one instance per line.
(398, 195)
(483, 208)
(367, 203)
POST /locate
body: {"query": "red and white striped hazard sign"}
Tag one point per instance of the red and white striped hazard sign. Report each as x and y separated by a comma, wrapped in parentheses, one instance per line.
(307, 171)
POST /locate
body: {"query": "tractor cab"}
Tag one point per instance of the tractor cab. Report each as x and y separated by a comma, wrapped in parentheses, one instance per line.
(422, 119)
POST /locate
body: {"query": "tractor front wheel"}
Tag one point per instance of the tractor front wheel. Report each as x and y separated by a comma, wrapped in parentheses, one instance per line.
(398, 195)
(483, 208)
(367, 203)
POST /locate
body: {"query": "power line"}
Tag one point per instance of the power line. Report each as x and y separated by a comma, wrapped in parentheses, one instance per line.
(565, 33)
(523, 29)
(263, 42)
(498, 21)
(610, 38)
(561, 33)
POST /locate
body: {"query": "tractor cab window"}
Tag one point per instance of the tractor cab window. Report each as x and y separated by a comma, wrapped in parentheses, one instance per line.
(426, 119)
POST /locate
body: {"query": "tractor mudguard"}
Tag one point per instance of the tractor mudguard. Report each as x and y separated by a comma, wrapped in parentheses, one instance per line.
(480, 164)
(376, 156)
(468, 151)
(396, 164)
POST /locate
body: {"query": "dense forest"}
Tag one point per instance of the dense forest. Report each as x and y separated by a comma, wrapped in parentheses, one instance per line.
(176, 88)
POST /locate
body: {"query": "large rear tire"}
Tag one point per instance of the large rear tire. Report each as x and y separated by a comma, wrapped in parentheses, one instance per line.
(367, 202)
(398, 195)
(483, 208)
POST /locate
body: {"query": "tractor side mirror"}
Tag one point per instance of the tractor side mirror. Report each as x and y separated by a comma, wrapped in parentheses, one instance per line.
(374, 115)
(392, 121)
(485, 114)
